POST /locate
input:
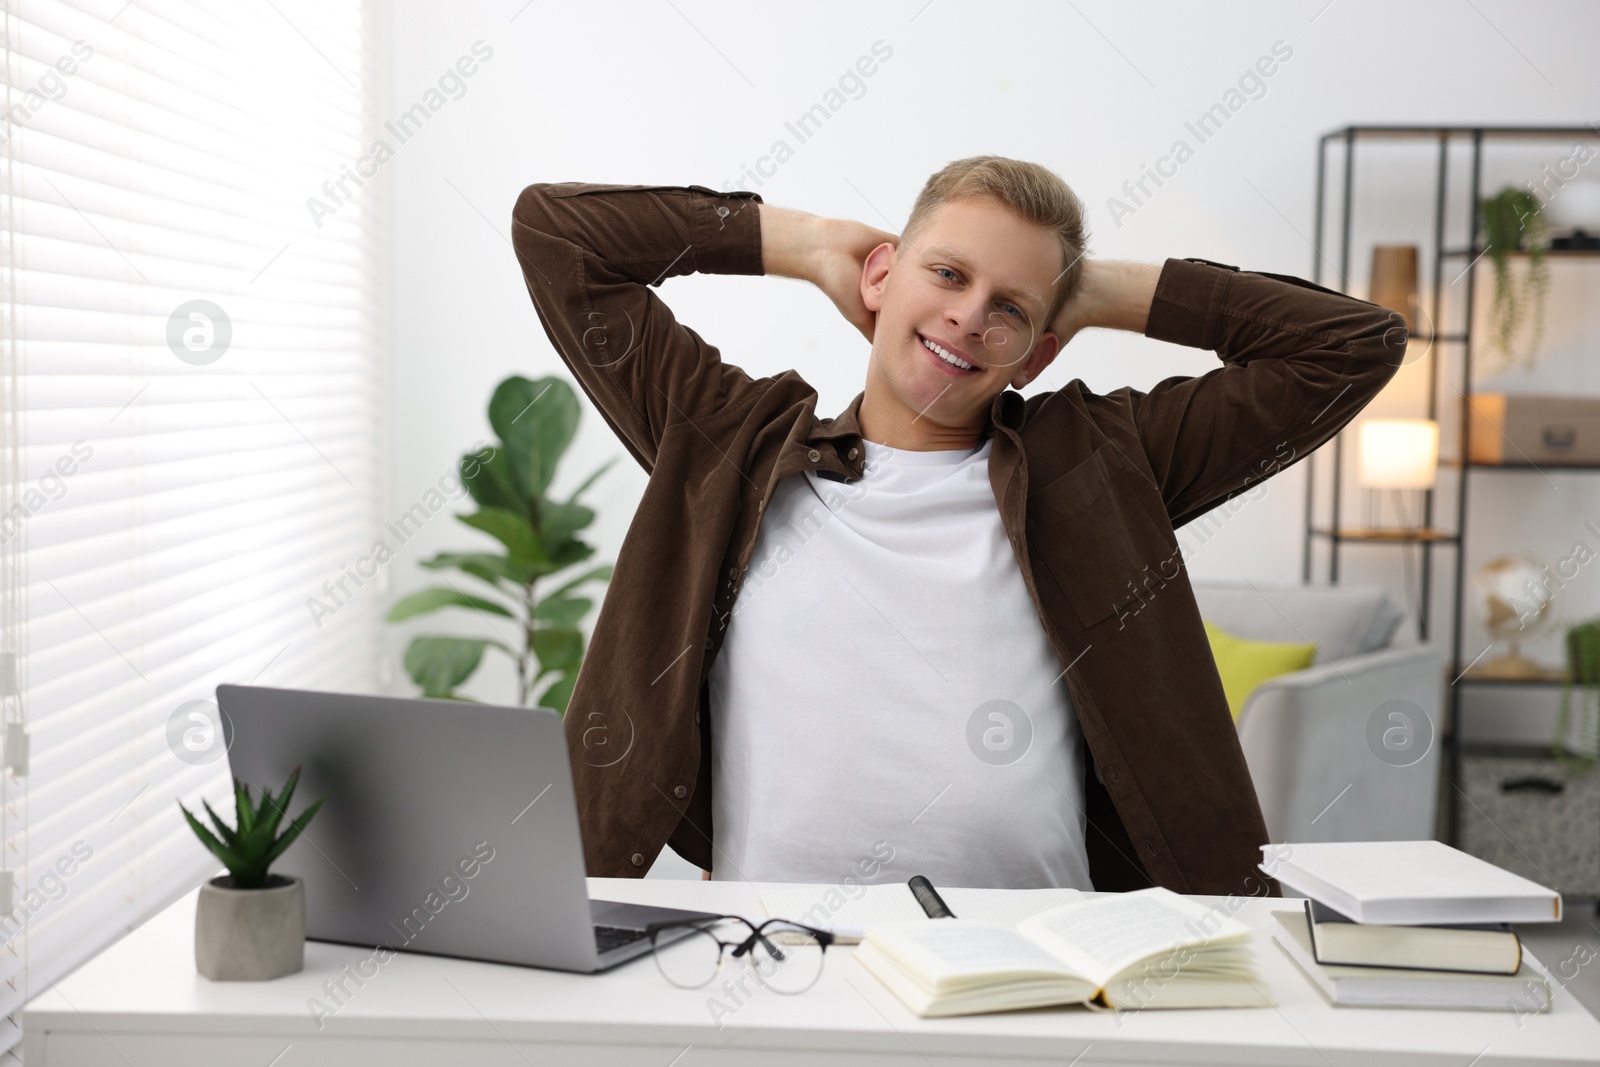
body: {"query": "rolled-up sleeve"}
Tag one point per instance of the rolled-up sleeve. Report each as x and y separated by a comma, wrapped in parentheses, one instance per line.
(1299, 362)
(590, 255)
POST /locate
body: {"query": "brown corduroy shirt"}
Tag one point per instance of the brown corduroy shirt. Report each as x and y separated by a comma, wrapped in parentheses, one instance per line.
(1090, 488)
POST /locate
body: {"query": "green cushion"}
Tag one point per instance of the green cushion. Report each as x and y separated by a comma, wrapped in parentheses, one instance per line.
(1245, 664)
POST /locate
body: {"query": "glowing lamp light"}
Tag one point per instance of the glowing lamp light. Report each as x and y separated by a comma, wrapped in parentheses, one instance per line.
(1399, 453)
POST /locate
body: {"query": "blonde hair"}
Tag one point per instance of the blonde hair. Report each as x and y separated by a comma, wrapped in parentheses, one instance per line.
(1032, 192)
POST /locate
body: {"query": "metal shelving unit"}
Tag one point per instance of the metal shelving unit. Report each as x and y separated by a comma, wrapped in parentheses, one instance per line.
(1429, 536)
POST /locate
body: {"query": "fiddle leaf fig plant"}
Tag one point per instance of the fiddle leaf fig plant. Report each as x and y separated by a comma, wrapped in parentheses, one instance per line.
(1508, 217)
(510, 482)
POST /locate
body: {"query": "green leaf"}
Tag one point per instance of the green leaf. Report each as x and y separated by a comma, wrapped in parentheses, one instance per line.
(561, 521)
(513, 530)
(559, 694)
(229, 858)
(557, 648)
(244, 811)
(591, 479)
(536, 421)
(587, 482)
(432, 599)
(482, 565)
(226, 832)
(280, 805)
(562, 611)
(570, 552)
(439, 664)
(601, 573)
(291, 833)
(489, 479)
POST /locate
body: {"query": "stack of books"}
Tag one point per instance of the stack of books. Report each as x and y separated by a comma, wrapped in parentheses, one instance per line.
(1414, 924)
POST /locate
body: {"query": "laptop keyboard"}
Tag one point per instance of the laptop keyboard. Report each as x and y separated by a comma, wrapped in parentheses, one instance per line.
(607, 938)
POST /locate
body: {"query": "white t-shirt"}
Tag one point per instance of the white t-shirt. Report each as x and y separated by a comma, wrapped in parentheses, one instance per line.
(885, 689)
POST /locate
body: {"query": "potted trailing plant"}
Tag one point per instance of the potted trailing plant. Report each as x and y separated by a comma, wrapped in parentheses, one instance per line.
(1583, 670)
(536, 421)
(1508, 217)
(250, 924)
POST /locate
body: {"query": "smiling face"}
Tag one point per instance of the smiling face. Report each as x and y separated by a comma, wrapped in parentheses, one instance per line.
(961, 312)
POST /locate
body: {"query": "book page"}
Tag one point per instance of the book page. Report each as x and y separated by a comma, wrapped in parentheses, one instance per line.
(955, 948)
(1102, 936)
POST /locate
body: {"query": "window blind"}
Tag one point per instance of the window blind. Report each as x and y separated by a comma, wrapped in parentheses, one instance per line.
(192, 390)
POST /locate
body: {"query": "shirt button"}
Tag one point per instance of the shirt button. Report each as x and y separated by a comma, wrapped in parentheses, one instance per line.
(679, 791)
(854, 452)
(709, 643)
(813, 455)
(638, 859)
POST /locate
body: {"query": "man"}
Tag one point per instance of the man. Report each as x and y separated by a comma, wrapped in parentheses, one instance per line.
(947, 631)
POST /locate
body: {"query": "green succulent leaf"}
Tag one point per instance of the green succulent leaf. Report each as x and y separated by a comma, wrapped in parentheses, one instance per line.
(270, 818)
(227, 833)
(536, 421)
(294, 830)
(439, 664)
(432, 599)
(229, 858)
(244, 810)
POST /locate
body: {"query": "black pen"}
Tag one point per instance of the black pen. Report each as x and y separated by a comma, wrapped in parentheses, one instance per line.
(929, 898)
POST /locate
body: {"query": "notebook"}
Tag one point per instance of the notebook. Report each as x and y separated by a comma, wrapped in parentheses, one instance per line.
(846, 911)
(1396, 987)
(1409, 883)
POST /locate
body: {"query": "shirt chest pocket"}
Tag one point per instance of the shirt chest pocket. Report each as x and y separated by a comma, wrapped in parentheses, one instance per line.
(1099, 544)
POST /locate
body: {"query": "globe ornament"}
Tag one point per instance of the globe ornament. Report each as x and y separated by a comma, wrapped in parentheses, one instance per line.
(1516, 602)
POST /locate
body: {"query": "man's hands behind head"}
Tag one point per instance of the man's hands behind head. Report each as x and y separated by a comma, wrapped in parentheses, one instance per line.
(840, 258)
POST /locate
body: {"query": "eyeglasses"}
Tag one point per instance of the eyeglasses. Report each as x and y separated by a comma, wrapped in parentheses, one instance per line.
(786, 956)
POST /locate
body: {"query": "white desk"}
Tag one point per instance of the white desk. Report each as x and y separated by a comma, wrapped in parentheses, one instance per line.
(141, 1004)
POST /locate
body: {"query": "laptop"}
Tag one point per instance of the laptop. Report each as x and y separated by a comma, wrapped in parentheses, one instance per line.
(449, 828)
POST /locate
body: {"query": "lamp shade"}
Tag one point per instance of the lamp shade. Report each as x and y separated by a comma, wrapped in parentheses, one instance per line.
(1399, 453)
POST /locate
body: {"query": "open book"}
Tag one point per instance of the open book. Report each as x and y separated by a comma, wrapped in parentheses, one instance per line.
(1147, 949)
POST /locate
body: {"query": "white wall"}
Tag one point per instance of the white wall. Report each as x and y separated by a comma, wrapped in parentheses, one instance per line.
(693, 91)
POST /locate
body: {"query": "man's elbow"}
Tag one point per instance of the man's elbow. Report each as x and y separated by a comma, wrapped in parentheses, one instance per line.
(531, 213)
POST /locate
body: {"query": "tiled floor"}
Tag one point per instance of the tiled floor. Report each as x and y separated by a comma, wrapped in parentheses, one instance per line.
(1571, 951)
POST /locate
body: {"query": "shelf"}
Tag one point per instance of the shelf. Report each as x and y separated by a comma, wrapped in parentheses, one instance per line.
(1475, 676)
(1386, 535)
(1544, 468)
(1457, 253)
(1562, 132)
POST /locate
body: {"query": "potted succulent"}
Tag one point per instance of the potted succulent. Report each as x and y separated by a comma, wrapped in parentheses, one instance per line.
(250, 925)
(536, 420)
(1508, 217)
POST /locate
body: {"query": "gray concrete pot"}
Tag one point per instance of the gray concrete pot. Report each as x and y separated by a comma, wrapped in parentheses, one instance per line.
(250, 935)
